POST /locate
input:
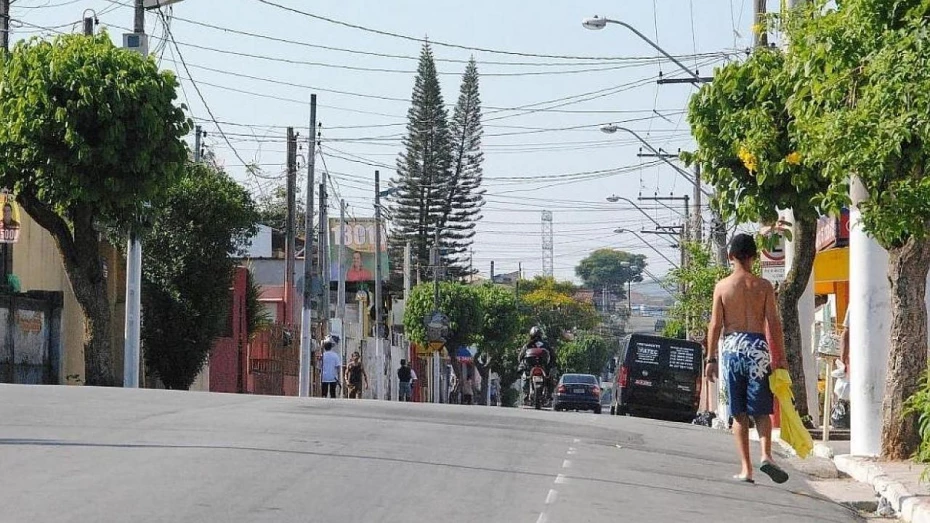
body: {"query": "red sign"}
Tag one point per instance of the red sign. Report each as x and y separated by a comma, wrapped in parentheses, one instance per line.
(833, 231)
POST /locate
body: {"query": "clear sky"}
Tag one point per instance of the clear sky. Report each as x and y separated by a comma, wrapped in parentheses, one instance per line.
(543, 148)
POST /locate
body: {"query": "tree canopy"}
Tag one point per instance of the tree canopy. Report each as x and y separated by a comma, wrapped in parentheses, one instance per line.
(611, 268)
(860, 76)
(89, 132)
(586, 354)
(187, 270)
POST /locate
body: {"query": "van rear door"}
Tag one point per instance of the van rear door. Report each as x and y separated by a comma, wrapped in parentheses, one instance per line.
(681, 365)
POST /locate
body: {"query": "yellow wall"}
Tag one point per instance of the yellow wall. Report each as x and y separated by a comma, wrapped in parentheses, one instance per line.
(37, 263)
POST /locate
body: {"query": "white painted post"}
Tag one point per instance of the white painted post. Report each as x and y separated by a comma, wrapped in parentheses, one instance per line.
(869, 334)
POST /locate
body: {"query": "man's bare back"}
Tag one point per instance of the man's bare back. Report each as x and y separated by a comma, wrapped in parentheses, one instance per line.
(744, 298)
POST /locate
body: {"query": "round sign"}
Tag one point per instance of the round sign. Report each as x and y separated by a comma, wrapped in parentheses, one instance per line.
(698, 336)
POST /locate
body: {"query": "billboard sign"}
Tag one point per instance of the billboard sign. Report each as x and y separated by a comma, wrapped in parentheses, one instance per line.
(358, 253)
(11, 223)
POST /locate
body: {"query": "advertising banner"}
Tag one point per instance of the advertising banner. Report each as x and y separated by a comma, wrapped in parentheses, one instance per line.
(358, 253)
(10, 223)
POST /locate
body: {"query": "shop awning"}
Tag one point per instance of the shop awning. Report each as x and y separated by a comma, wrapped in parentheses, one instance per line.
(831, 267)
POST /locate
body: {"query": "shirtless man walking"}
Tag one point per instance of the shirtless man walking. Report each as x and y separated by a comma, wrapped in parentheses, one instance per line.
(744, 305)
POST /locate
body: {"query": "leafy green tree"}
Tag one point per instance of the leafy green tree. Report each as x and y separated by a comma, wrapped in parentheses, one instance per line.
(502, 331)
(465, 196)
(750, 152)
(586, 354)
(423, 169)
(187, 270)
(552, 306)
(861, 82)
(272, 209)
(611, 268)
(695, 283)
(460, 302)
(88, 133)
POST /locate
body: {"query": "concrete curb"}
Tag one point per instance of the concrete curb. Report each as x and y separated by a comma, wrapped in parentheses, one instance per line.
(909, 506)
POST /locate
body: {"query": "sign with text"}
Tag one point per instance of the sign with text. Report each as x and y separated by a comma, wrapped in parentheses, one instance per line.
(10, 224)
(358, 253)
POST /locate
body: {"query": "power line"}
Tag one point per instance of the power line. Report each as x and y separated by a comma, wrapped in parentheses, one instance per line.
(435, 42)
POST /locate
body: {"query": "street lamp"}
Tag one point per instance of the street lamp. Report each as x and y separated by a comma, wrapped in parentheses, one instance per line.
(614, 199)
(657, 251)
(596, 23)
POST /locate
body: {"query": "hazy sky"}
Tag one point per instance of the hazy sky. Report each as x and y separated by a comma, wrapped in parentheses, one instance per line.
(538, 155)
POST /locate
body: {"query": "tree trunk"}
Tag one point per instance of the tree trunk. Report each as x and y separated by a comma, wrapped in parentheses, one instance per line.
(791, 291)
(907, 359)
(80, 253)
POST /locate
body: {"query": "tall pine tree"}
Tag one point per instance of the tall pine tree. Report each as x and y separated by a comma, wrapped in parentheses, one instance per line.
(423, 169)
(465, 196)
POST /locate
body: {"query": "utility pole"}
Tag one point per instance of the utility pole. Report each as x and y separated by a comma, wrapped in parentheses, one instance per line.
(760, 35)
(436, 261)
(341, 287)
(407, 266)
(321, 253)
(306, 328)
(697, 227)
(132, 330)
(290, 227)
(5, 25)
(325, 252)
(379, 346)
(197, 131)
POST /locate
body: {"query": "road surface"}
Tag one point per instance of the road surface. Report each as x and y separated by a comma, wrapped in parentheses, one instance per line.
(83, 454)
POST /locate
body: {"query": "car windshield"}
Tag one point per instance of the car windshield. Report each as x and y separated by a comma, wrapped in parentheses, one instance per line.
(586, 379)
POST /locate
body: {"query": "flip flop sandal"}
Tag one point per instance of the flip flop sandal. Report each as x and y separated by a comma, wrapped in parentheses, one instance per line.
(743, 479)
(774, 471)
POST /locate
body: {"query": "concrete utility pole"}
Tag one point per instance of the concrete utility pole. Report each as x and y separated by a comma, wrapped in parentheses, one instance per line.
(5, 25)
(341, 287)
(132, 331)
(760, 37)
(321, 253)
(379, 345)
(407, 266)
(326, 303)
(436, 261)
(306, 328)
(290, 227)
(197, 133)
(697, 228)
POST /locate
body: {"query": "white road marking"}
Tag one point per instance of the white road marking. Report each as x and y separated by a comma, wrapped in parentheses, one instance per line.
(577, 440)
(542, 518)
(566, 464)
(561, 479)
(550, 499)
(571, 452)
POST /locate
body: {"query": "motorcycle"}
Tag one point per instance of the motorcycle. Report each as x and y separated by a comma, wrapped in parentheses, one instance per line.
(538, 386)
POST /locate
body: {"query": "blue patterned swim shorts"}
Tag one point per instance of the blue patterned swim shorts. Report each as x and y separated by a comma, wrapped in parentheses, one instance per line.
(747, 365)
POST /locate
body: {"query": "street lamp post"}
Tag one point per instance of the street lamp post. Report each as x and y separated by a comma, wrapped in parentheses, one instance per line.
(657, 251)
(611, 129)
(597, 23)
(629, 285)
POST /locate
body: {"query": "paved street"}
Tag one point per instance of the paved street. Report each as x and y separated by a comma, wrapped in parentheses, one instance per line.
(84, 454)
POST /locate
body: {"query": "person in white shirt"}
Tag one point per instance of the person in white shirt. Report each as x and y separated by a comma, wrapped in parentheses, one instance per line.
(332, 367)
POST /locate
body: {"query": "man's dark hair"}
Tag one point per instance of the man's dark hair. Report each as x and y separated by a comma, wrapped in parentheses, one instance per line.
(743, 247)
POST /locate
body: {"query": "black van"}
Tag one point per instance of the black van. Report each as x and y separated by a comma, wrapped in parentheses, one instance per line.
(658, 377)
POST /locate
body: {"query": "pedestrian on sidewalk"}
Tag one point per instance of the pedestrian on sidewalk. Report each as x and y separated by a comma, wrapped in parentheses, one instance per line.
(405, 376)
(468, 391)
(355, 375)
(743, 308)
(332, 367)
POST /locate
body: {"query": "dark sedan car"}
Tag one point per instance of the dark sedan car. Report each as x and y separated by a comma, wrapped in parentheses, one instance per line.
(578, 392)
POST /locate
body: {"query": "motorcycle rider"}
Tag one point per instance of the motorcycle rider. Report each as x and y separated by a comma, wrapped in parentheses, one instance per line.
(536, 341)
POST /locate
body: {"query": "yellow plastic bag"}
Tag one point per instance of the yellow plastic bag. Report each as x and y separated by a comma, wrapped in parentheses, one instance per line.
(793, 431)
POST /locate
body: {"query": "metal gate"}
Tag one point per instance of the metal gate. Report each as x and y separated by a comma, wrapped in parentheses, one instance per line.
(30, 338)
(274, 358)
